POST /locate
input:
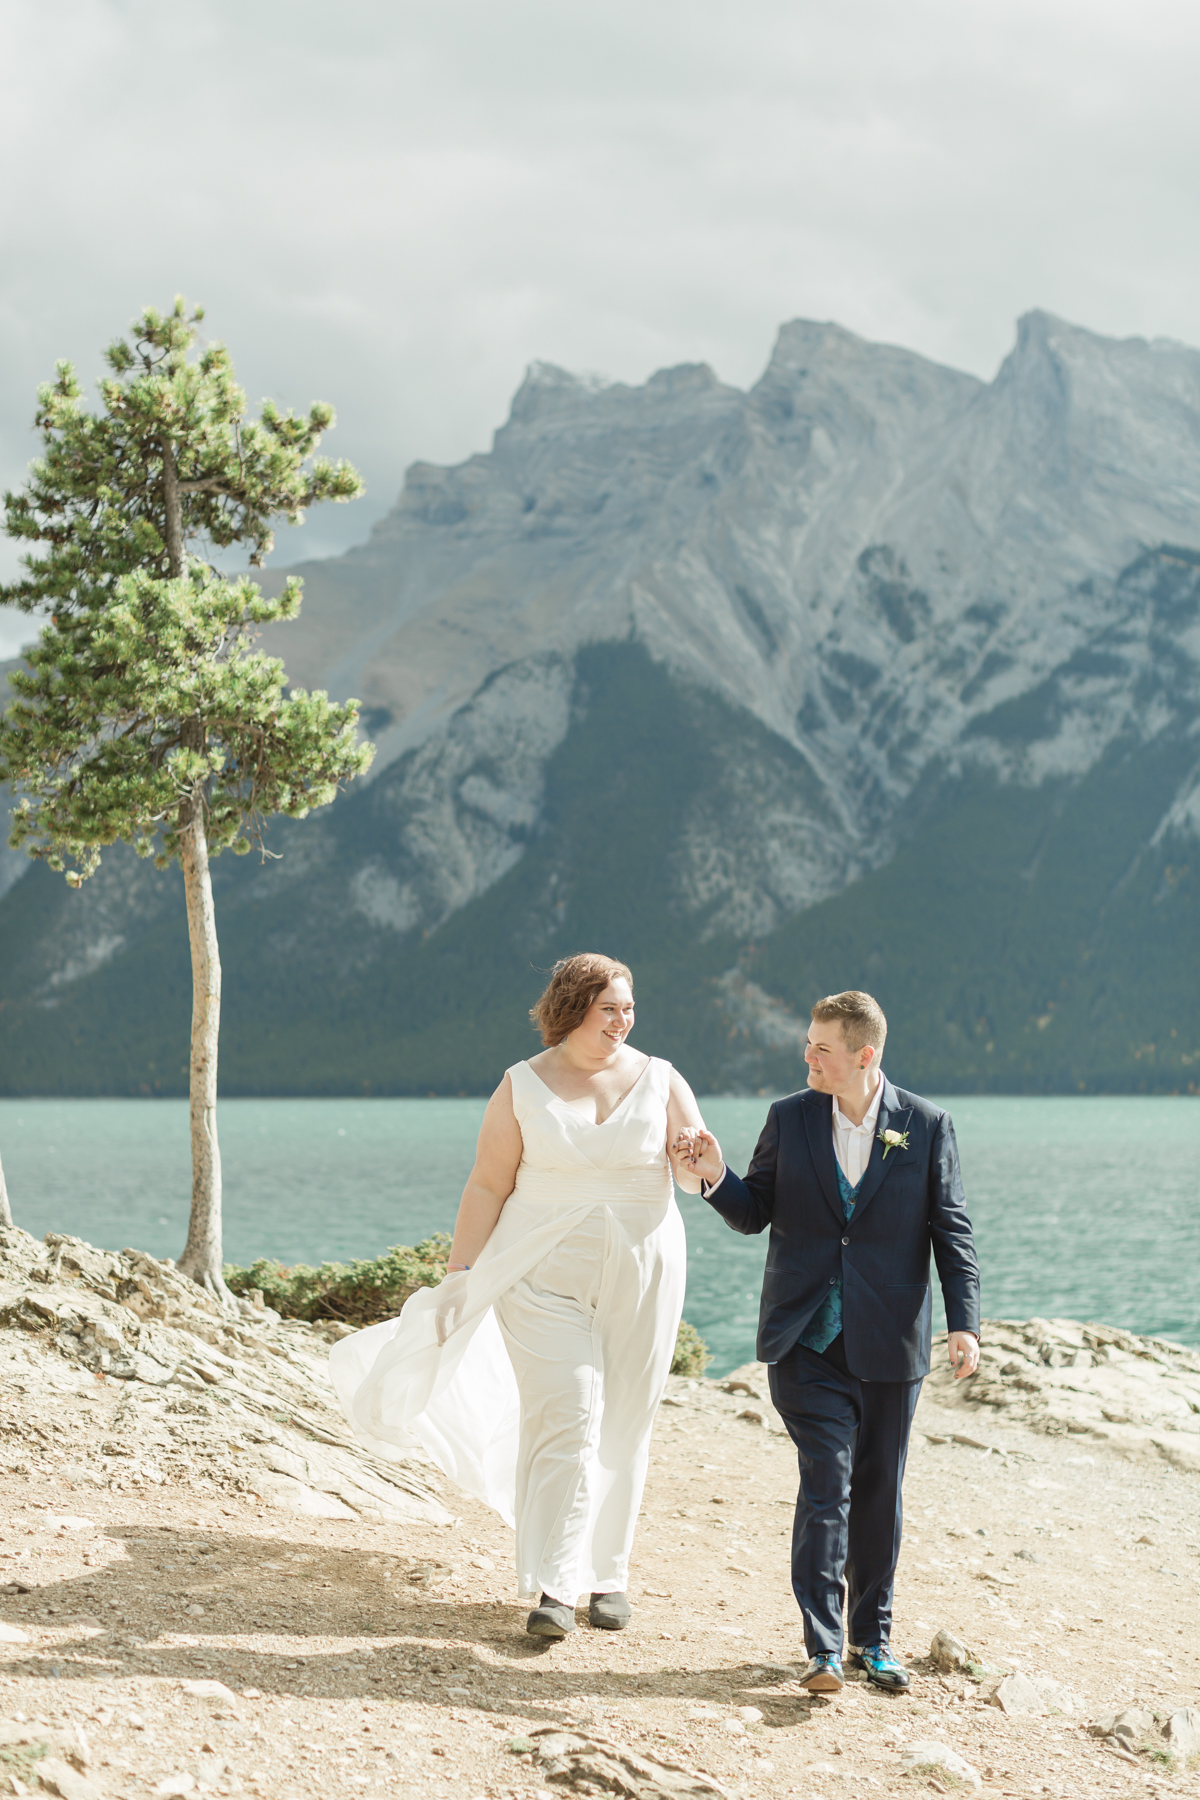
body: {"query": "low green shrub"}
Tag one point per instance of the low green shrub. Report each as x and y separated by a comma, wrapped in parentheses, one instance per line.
(20, 1760)
(692, 1355)
(936, 1774)
(357, 1293)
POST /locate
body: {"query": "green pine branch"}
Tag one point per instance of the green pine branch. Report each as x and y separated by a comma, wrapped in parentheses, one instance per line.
(145, 696)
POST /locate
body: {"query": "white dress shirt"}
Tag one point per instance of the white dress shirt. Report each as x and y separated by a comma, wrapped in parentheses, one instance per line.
(852, 1143)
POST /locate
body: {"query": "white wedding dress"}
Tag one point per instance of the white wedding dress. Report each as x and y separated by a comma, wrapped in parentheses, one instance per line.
(542, 1399)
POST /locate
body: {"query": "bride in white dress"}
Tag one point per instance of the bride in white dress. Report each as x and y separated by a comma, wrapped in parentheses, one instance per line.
(532, 1374)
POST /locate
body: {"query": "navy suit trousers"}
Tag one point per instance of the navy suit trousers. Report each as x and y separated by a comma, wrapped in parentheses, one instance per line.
(851, 1438)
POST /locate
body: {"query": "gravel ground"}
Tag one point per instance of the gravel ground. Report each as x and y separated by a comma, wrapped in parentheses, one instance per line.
(356, 1656)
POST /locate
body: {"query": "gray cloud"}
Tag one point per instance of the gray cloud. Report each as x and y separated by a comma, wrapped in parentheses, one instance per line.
(396, 206)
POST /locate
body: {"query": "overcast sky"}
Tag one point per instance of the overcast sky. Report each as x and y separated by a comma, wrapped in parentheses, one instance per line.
(396, 206)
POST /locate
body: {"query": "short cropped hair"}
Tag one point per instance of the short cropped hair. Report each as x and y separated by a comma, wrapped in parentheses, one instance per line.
(575, 983)
(860, 1015)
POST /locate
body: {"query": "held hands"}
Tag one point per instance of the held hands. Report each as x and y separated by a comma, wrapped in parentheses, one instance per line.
(701, 1153)
(963, 1347)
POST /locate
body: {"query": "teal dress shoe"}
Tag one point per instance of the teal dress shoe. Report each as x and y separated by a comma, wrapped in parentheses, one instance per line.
(882, 1667)
(824, 1675)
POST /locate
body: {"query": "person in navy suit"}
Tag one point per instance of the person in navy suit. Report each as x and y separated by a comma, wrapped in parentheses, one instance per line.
(858, 1181)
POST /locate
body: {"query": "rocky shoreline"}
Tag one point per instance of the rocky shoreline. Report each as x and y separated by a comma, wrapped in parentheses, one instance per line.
(242, 1403)
(207, 1586)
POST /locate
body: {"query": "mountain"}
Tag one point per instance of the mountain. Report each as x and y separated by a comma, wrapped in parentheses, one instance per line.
(874, 675)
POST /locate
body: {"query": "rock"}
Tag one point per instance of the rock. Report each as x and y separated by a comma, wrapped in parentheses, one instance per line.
(481, 1562)
(1130, 1727)
(286, 1462)
(430, 1574)
(66, 1746)
(1059, 1699)
(61, 1779)
(591, 1763)
(1142, 1395)
(749, 1715)
(750, 1416)
(1016, 1694)
(1180, 1456)
(176, 1785)
(12, 1634)
(734, 1727)
(295, 1496)
(210, 1690)
(931, 1755)
(1182, 1733)
(948, 1653)
(194, 1611)
(71, 1308)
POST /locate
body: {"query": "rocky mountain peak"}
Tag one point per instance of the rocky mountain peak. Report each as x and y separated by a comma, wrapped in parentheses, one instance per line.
(770, 626)
(549, 391)
(817, 361)
(1085, 446)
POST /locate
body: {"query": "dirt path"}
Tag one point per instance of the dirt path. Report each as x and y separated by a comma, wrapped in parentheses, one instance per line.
(358, 1657)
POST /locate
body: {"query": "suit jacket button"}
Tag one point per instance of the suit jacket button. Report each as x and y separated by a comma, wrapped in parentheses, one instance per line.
(845, 1240)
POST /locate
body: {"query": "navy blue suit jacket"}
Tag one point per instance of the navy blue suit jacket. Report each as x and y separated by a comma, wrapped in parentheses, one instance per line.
(910, 1202)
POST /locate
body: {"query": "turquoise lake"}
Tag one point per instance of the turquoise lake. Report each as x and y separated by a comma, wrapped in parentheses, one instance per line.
(1084, 1207)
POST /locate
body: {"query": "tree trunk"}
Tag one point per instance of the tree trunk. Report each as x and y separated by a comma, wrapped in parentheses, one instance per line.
(6, 1217)
(201, 1258)
(172, 510)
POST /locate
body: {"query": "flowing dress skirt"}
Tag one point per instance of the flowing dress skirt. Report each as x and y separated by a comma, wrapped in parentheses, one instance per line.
(585, 1273)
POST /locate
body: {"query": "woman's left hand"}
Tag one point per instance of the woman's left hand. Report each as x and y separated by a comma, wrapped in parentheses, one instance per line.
(701, 1152)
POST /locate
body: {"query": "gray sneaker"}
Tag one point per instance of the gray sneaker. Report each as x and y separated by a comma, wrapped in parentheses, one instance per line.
(550, 1619)
(609, 1612)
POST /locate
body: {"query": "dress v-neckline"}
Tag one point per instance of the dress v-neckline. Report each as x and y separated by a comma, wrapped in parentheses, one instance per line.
(596, 1124)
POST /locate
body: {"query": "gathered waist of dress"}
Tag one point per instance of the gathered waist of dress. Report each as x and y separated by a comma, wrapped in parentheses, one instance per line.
(650, 1185)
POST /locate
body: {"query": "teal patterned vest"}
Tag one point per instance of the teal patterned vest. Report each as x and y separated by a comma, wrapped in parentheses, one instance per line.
(826, 1322)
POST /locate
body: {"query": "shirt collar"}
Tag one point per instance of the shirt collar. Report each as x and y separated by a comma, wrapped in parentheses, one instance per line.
(842, 1123)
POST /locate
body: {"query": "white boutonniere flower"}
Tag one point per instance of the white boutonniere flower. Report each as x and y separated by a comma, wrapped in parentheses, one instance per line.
(893, 1140)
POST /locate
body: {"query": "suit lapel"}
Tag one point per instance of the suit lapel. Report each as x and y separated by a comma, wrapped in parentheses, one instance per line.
(892, 1117)
(818, 1123)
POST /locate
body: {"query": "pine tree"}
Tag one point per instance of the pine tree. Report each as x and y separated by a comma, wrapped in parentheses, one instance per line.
(146, 715)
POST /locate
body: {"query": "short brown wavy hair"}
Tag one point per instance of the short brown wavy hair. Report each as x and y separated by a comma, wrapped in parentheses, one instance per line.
(575, 983)
(860, 1016)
